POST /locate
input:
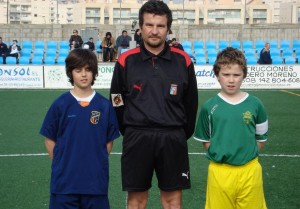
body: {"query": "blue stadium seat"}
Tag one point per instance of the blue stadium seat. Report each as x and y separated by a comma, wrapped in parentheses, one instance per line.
(284, 44)
(259, 45)
(198, 45)
(26, 52)
(235, 44)
(189, 51)
(274, 52)
(39, 44)
(61, 60)
(63, 52)
(200, 60)
(38, 52)
(64, 45)
(37, 60)
(199, 52)
(210, 44)
(24, 60)
(296, 45)
(98, 49)
(276, 60)
(247, 44)
(251, 60)
(50, 60)
(186, 44)
(287, 52)
(124, 50)
(273, 44)
(290, 60)
(211, 60)
(212, 53)
(52, 44)
(26, 44)
(50, 52)
(249, 52)
(11, 60)
(222, 44)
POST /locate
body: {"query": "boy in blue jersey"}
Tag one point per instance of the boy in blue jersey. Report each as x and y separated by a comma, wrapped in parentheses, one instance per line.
(79, 128)
(233, 127)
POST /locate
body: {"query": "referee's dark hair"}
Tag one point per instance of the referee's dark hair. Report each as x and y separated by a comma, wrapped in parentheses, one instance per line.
(79, 58)
(155, 7)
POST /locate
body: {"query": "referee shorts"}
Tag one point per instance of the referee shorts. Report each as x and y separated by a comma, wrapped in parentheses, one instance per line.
(162, 150)
(235, 187)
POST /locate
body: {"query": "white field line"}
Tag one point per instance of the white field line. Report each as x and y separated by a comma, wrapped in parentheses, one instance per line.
(119, 153)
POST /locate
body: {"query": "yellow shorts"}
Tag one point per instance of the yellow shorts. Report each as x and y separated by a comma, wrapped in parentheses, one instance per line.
(235, 187)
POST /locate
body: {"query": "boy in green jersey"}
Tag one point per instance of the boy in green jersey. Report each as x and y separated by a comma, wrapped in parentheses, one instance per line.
(233, 127)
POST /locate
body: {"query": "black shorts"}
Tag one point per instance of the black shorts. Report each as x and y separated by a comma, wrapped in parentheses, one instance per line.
(164, 151)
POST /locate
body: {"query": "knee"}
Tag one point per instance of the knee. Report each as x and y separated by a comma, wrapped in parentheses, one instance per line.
(171, 200)
(137, 200)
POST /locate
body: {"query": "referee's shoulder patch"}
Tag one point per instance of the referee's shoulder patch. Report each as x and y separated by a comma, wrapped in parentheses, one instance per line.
(117, 100)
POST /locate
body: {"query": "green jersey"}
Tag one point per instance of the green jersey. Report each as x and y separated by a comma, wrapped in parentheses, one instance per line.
(233, 130)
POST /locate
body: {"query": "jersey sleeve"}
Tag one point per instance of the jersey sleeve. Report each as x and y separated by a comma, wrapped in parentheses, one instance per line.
(191, 102)
(203, 127)
(113, 127)
(117, 93)
(50, 125)
(262, 126)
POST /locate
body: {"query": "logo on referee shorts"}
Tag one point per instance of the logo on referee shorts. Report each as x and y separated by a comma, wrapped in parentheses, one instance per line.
(185, 175)
(95, 117)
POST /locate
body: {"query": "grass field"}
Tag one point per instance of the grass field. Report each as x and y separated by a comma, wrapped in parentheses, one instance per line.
(25, 167)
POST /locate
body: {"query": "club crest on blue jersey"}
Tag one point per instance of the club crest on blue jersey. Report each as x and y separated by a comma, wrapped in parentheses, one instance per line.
(95, 117)
(247, 117)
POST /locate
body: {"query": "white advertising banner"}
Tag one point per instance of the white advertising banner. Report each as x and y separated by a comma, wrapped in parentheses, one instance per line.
(55, 77)
(258, 77)
(21, 76)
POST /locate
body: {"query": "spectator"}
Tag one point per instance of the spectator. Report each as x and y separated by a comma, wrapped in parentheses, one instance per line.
(14, 51)
(122, 42)
(90, 44)
(264, 56)
(138, 37)
(108, 47)
(76, 40)
(3, 50)
(176, 44)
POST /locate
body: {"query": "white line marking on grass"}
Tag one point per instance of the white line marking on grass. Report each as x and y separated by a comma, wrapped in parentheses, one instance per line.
(289, 92)
(119, 153)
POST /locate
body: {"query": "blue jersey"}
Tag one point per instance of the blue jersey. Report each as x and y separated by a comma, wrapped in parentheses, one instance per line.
(80, 160)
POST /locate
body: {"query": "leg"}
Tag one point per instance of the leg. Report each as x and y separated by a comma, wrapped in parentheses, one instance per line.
(171, 200)
(104, 53)
(119, 50)
(111, 54)
(137, 200)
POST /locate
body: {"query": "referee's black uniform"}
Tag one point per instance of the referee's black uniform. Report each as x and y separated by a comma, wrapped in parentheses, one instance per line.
(154, 94)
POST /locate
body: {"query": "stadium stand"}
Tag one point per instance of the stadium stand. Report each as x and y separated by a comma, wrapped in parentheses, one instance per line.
(50, 52)
(249, 52)
(199, 52)
(11, 60)
(273, 44)
(247, 44)
(200, 60)
(50, 60)
(276, 60)
(61, 60)
(284, 44)
(64, 45)
(222, 44)
(211, 60)
(287, 52)
(24, 60)
(186, 44)
(290, 60)
(26, 44)
(275, 52)
(198, 45)
(52, 44)
(235, 44)
(259, 44)
(39, 44)
(210, 44)
(251, 60)
(212, 52)
(37, 60)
